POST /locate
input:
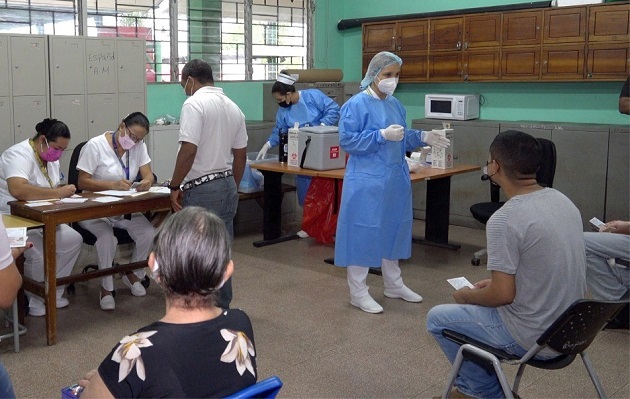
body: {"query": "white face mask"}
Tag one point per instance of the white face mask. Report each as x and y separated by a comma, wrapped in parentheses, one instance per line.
(388, 85)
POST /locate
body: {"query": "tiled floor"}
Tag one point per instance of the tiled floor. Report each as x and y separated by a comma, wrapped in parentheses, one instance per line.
(306, 331)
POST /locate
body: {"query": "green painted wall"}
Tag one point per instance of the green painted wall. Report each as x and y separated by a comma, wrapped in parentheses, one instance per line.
(583, 102)
(167, 98)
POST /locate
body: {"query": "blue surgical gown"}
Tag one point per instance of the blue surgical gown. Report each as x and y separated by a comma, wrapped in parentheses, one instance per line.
(313, 109)
(376, 217)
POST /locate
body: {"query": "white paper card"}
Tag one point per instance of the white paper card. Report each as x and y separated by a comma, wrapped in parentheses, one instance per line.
(117, 193)
(38, 203)
(161, 190)
(107, 199)
(17, 236)
(460, 282)
(71, 200)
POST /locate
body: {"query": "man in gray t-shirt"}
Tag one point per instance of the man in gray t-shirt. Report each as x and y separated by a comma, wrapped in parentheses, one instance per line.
(537, 262)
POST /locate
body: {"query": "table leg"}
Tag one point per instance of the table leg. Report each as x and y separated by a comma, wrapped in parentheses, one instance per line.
(50, 281)
(272, 211)
(438, 205)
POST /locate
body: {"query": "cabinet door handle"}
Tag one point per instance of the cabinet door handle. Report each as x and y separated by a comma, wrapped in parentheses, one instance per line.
(459, 45)
(393, 43)
(465, 45)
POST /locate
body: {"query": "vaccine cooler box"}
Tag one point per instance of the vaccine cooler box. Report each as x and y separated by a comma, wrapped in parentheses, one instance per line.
(319, 149)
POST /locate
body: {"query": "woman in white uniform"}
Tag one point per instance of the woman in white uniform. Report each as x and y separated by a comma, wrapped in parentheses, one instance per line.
(29, 170)
(112, 161)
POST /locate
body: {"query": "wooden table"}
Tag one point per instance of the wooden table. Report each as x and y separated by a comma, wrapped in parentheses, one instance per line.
(438, 199)
(50, 216)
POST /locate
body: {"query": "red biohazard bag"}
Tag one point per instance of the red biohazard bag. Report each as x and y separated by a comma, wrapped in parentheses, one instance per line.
(321, 208)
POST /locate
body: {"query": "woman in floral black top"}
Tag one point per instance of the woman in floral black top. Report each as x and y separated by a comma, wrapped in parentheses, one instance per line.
(196, 350)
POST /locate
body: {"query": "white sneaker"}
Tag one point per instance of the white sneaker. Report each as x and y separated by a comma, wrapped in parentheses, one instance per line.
(302, 234)
(36, 307)
(107, 302)
(62, 302)
(367, 304)
(403, 293)
(137, 289)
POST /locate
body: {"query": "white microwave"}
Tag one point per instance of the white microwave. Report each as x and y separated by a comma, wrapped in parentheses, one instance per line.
(451, 106)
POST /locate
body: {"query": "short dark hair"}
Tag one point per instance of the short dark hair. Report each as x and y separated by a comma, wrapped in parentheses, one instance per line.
(192, 248)
(137, 118)
(518, 153)
(52, 129)
(198, 69)
(282, 88)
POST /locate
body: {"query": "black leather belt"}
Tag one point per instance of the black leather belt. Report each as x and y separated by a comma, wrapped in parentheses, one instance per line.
(205, 179)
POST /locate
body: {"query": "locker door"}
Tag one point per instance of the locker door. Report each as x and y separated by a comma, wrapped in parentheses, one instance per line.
(28, 111)
(131, 66)
(100, 55)
(67, 69)
(130, 102)
(102, 111)
(70, 109)
(4, 66)
(6, 134)
(28, 65)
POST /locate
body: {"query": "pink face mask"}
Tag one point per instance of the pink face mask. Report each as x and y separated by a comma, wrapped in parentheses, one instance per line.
(51, 154)
(126, 142)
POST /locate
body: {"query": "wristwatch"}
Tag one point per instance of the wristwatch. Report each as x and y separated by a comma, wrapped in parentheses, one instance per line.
(173, 188)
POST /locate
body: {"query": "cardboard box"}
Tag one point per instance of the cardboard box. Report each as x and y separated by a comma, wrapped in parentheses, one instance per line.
(442, 158)
(293, 158)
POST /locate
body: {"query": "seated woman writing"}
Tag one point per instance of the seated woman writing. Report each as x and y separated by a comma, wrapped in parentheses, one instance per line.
(196, 350)
(112, 161)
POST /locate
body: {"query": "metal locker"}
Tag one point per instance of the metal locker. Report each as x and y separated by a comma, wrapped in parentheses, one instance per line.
(130, 102)
(6, 134)
(28, 111)
(100, 56)
(131, 65)
(102, 114)
(29, 65)
(4, 66)
(70, 109)
(67, 65)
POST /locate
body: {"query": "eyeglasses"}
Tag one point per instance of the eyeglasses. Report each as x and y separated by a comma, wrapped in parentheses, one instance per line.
(132, 136)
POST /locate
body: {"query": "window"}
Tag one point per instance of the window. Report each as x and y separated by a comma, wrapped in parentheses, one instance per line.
(216, 31)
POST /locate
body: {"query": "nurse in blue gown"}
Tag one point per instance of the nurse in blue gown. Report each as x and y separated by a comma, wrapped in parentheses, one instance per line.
(375, 219)
(309, 107)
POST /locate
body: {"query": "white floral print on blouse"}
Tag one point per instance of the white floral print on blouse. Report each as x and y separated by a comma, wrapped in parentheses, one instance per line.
(128, 354)
(238, 350)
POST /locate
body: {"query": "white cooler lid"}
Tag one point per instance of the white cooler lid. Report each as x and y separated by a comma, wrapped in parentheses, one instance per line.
(320, 129)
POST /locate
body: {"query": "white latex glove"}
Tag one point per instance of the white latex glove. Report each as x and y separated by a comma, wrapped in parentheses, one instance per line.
(435, 140)
(263, 151)
(393, 133)
(414, 166)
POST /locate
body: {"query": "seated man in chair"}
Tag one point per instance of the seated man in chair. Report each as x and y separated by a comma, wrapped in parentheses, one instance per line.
(537, 263)
(607, 271)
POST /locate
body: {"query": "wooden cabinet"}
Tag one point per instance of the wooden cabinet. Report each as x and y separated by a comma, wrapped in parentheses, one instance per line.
(562, 62)
(609, 23)
(379, 37)
(520, 63)
(565, 25)
(465, 48)
(608, 61)
(550, 44)
(407, 39)
(522, 28)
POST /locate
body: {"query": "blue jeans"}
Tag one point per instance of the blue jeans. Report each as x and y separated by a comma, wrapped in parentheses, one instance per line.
(6, 386)
(483, 324)
(219, 196)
